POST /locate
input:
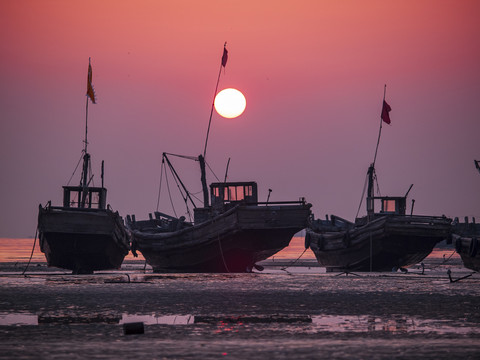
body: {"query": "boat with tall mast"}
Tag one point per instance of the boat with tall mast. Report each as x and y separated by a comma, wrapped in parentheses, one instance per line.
(380, 241)
(84, 234)
(231, 232)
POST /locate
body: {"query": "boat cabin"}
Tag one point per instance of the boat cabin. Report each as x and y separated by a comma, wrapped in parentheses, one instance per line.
(390, 205)
(225, 195)
(87, 198)
(233, 193)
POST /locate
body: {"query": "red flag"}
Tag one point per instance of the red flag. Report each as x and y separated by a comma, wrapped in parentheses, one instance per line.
(385, 110)
(224, 56)
(90, 91)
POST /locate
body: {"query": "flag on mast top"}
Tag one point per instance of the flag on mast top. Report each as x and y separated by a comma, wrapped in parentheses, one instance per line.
(225, 55)
(385, 112)
(90, 90)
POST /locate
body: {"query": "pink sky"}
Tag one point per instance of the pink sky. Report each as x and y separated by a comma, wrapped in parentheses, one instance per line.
(313, 73)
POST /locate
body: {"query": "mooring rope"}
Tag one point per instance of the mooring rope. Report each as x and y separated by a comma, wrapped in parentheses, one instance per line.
(221, 253)
(31, 255)
(444, 261)
(293, 263)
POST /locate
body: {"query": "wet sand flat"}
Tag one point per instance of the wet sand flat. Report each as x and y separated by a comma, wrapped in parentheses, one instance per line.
(300, 312)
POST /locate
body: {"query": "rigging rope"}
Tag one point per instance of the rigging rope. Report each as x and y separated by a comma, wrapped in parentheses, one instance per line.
(170, 195)
(160, 185)
(212, 171)
(185, 198)
(363, 194)
(76, 167)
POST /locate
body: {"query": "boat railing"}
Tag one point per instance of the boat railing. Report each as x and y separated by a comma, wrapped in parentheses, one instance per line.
(159, 223)
(267, 203)
(74, 209)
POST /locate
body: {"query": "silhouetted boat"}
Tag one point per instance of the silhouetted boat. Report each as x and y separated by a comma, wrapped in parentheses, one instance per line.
(380, 241)
(465, 239)
(84, 234)
(230, 235)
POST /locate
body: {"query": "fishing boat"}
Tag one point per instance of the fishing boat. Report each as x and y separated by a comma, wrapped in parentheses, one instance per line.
(380, 241)
(465, 239)
(83, 234)
(229, 234)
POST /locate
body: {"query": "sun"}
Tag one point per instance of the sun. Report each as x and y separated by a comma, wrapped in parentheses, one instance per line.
(230, 103)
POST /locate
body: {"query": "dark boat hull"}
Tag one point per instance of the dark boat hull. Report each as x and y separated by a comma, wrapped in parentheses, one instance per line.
(82, 240)
(387, 243)
(231, 242)
(468, 249)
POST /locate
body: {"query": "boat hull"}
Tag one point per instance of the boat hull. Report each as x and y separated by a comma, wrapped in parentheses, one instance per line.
(468, 249)
(231, 242)
(82, 240)
(387, 243)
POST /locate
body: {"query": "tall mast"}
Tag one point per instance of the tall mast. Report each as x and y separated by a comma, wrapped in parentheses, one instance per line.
(371, 170)
(86, 156)
(380, 130)
(370, 192)
(203, 179)
(222, 64)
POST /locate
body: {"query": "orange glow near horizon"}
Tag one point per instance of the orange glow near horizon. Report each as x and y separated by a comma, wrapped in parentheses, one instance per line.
(19, 250)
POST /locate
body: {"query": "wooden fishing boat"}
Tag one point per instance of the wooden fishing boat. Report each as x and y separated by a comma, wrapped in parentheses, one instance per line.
(229, 235)
(468, 249)
(84, 234)
(381, 241)
(465, 239)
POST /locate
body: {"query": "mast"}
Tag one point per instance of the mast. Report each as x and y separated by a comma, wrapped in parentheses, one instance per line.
(370, 192)
(86, 157)
(371, 170)
(381, 121)
(203, 179)
(222, 64)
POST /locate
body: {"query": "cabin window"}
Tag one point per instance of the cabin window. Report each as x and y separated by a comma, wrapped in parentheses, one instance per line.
(234, 193)
(388, 206)
(95, 201)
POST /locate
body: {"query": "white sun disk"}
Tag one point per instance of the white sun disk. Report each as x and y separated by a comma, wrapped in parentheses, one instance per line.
(230, 103)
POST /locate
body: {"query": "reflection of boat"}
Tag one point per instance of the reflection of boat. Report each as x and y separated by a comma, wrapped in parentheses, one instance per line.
(380, 241)
(84, 234)
(230, 235)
